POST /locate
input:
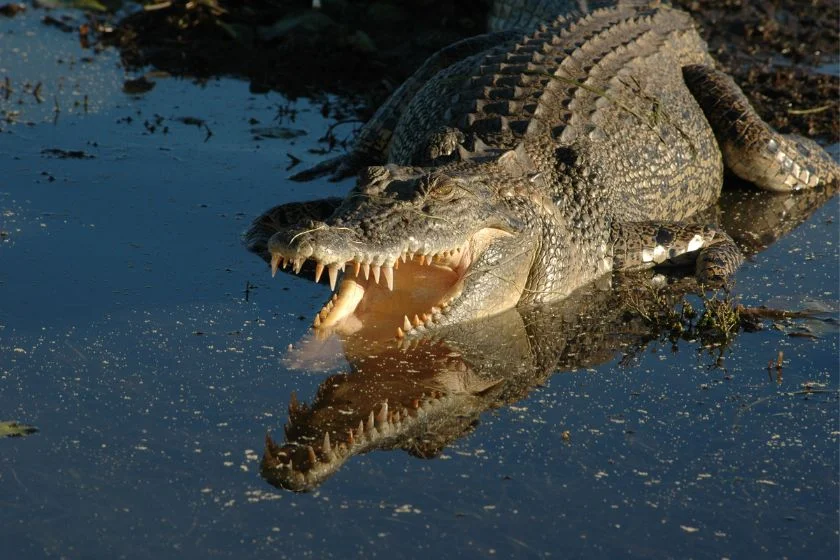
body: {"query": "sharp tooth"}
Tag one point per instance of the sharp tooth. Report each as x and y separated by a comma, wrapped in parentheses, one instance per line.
(397, 264)
(326, 447)
(275, 263)
(375, 273)
(350, 439)
(298, 264)
(417, 322)
(406, 323)
(382, 415)
(389, 276)
(360, 431)
(429, 259)
(370, 422)
(333, 271)
(356, 267)
(404, 257)
(366, 269)
(342, 266)
(426, 317)
(317, 322)
(400, 333)
(422, 259)
(319, 269)
(311, 452)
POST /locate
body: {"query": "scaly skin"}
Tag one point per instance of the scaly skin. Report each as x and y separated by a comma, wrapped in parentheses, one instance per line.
(525, 167)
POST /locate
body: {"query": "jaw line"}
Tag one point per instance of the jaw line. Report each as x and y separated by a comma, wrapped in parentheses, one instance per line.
(435, 281)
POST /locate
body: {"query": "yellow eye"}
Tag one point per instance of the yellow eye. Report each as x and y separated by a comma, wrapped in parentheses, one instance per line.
(442, 190)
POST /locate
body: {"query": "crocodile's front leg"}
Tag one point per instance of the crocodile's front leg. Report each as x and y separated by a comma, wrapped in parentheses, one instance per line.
(643, 245)
(751, 149)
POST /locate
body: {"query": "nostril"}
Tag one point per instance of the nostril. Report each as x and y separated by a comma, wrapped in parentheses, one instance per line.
(305, 249)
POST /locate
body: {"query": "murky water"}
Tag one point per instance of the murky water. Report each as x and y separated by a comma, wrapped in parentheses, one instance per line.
(148, 347)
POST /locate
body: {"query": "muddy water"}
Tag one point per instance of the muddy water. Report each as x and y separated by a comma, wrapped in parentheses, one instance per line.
(147, 346)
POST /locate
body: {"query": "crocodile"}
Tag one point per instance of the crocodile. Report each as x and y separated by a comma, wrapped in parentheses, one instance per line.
(427, 392)
(519, 166)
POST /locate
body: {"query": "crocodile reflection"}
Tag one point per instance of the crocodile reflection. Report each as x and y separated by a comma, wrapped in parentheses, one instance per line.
(420, 395)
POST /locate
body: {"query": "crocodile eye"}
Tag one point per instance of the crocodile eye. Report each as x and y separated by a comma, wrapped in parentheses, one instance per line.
(442, 190)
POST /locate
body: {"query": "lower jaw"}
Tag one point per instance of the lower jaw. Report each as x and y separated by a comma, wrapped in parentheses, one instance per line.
(374, 311)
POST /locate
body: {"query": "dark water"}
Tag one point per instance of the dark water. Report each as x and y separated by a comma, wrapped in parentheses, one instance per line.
(126, 336)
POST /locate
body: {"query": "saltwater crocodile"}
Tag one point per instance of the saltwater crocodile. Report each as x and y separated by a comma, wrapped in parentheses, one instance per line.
(425, 393)
(515, 167)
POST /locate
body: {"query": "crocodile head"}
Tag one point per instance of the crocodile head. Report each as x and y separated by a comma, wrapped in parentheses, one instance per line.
(411, 248)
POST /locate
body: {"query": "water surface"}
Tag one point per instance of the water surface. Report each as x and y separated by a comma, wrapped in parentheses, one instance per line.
(147, 345)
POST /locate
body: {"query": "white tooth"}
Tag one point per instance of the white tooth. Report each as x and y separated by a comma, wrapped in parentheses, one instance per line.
(333, 270)
(406, 323)
(342, 266)
(275, 263)
(375, 273)
(404, 257)
(389, 276)
(298, 264)
(366, 269)
(370, 422)
(326, 447)
(382, 415)
(319, 269)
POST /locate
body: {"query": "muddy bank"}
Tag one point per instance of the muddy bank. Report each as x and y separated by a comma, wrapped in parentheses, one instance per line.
(778, 51)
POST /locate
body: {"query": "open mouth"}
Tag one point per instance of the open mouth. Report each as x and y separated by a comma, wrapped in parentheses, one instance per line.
(391, 293)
